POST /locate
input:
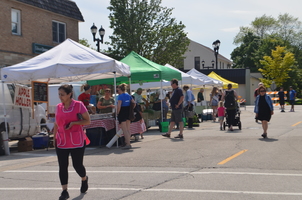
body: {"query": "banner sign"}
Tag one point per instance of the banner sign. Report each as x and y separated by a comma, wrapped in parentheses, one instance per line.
(22, 96)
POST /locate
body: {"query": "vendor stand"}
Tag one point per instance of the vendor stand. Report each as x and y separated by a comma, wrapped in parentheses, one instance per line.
(59, 64)
(99, 131)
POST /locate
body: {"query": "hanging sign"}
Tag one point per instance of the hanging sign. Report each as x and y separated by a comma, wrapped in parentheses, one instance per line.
(22, 96)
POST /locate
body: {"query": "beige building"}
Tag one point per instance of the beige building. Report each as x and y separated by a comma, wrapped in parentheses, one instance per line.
(200, 57)
(203, 59)
(29, 27)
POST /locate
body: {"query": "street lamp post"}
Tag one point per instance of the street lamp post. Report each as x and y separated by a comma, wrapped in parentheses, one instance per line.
(207, 67)
(101, 32)
(216, 45)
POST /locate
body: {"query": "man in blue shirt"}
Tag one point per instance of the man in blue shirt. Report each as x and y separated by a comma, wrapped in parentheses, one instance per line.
(188, 104)
(176, 105)
(292, 97)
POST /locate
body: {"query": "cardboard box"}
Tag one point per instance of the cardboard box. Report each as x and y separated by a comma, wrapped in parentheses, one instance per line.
(25, 145)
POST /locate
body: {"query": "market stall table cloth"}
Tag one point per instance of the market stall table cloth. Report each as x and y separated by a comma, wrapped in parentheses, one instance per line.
(137, 127)
(107, 124)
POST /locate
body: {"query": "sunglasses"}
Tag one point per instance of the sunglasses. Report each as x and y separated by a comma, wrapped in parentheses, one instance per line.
(262, 90)
(108, 91)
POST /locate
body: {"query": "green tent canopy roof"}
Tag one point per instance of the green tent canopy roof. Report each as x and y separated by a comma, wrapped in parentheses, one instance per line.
(142, 70)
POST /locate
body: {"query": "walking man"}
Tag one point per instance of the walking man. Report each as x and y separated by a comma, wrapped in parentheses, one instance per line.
(281, 99)
(176, 105)
(188, 104)
(292, 97)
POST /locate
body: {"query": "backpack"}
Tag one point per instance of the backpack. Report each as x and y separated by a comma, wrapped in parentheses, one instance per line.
(229, 100)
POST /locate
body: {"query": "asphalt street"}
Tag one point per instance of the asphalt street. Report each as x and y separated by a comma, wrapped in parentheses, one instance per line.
(207, 164)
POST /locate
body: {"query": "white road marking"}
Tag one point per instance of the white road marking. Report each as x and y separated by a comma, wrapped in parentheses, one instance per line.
(161, 190)
(162, 172)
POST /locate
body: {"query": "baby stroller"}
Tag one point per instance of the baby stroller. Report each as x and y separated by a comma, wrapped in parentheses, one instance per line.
(237, 121)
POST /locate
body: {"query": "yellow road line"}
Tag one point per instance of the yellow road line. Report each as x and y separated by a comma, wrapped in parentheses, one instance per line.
(297, 123)
(232, 157)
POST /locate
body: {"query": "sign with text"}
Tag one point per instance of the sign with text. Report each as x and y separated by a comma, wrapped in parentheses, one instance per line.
(22, 96)
(40, 48)
(39, 91)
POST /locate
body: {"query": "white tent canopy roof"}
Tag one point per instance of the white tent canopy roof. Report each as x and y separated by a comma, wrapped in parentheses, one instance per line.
(68, 61)
(210, 81)
(188, 79)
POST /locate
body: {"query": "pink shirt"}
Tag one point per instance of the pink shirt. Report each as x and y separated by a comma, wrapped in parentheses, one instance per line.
(221, 111)
(75, 136)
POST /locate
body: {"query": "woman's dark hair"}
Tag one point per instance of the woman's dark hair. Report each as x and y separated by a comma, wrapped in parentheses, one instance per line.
(185, 87)
(67, 88)
(122, 87)
(85, 87)
(229, 86)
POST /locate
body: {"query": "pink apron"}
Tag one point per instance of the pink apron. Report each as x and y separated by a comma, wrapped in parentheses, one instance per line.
(75, 136)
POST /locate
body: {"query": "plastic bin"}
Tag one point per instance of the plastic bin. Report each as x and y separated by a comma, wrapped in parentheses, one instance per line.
(40, 141)
(184, 121)
(164, 126)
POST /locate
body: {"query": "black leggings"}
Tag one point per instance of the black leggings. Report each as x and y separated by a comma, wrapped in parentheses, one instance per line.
(77, 156)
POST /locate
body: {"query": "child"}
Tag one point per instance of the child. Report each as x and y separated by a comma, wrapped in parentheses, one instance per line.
(221, 112)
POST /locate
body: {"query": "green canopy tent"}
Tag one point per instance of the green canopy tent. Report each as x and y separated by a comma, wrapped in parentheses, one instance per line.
(142, 70)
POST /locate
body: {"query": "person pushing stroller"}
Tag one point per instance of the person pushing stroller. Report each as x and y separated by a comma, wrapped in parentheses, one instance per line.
(230, 103)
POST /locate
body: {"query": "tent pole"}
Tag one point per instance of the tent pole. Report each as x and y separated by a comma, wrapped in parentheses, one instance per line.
(161, 101)
(116, 122)
(5, 136)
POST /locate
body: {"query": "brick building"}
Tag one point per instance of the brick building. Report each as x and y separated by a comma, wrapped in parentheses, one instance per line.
(30, 27)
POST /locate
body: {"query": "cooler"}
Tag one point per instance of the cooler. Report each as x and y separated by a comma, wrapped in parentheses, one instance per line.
(40, 141)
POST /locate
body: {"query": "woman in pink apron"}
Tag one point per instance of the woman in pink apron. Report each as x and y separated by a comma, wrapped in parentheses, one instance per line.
(70, 138)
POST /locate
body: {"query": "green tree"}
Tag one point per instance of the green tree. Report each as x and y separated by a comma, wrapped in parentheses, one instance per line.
(243, 55)
(276, 67)
(84, 42)
(148, 29)
(266, 46)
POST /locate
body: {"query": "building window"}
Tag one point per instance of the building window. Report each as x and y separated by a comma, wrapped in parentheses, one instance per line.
(197, 63)
(58, 32)
(16, 22)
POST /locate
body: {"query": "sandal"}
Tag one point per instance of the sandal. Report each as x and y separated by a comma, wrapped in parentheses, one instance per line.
(179, 136)
(166, 135)
(264, 135)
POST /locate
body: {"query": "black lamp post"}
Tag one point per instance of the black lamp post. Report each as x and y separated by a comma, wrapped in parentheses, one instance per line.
(101, 32)
(208, 67)
(216, 45)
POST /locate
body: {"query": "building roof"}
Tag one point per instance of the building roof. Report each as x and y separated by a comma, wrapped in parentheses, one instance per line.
(209, 49)
(63, 7)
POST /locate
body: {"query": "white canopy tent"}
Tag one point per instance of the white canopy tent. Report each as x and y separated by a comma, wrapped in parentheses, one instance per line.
(210, 81)
(69, 61)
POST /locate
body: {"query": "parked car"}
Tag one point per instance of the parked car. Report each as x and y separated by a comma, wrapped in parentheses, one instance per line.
(20, 123)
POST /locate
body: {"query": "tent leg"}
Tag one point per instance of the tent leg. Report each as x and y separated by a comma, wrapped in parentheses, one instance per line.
(5, 136)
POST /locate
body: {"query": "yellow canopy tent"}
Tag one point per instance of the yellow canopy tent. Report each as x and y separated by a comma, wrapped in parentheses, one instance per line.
(225, 81)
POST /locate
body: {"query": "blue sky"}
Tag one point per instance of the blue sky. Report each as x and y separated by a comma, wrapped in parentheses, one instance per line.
(205, 20)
